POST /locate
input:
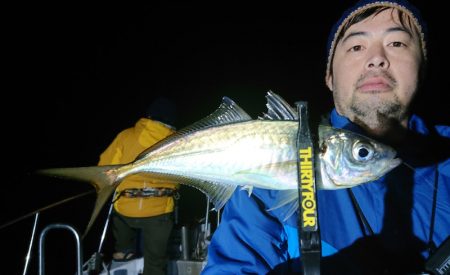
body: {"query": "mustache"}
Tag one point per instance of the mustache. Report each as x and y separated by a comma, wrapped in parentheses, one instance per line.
(384, 74)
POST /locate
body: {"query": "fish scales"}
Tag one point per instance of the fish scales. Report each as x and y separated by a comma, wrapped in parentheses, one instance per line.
(238, 150)
(228, 149)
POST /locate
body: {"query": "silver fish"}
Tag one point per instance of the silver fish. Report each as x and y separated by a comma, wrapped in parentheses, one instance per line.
(228, 149)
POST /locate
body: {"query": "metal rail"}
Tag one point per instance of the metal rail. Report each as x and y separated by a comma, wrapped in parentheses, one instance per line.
(42, 248)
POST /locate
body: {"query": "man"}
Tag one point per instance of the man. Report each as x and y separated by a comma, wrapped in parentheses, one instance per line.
(376, 56)
(141, 202)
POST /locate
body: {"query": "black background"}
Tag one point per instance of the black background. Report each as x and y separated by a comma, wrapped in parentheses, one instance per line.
(78, 73)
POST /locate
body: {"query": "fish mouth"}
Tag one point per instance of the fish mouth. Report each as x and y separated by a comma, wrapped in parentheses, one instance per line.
(393, 163)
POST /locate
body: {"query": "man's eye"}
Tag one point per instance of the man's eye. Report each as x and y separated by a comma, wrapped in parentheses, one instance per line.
(397, 44)
(356, 48)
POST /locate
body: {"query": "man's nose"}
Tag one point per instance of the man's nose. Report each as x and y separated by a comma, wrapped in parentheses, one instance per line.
(377, 59)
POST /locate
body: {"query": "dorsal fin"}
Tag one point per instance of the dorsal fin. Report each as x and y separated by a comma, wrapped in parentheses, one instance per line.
(278, 108)
(227, 112)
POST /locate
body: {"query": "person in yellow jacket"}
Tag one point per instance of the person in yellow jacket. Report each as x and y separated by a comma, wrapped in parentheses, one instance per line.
(140, 202)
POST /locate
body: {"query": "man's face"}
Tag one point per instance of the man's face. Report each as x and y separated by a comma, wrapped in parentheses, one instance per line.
(375, 71)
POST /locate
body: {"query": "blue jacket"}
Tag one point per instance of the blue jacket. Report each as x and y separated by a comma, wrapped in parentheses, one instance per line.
(398, 207)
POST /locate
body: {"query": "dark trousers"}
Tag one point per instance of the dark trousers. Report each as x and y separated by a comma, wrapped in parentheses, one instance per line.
(155, 232)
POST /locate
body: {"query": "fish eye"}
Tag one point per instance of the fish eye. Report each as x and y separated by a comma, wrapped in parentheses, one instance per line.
(362, 151)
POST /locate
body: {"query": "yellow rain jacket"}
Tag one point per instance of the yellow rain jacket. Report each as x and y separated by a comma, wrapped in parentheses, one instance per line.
(124, 149)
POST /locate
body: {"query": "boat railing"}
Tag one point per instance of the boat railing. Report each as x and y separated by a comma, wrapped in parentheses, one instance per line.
(42, 246)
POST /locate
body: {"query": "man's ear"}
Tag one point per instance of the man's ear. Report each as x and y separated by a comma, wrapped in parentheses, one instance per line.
(329, 81)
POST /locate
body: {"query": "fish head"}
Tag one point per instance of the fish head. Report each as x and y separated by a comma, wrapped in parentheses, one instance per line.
(348, 159)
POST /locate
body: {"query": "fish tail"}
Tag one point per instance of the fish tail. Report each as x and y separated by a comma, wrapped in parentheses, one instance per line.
(103, 178)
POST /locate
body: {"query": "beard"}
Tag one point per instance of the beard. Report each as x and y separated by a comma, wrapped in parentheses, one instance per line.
(378, 113)
(374, 110)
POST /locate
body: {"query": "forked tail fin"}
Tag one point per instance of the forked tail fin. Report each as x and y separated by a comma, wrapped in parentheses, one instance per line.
(103, 178)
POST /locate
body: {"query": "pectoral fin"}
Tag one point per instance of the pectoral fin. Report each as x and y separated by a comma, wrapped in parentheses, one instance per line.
(289, 198)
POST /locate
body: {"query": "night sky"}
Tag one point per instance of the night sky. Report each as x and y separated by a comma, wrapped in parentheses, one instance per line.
(78, 73)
